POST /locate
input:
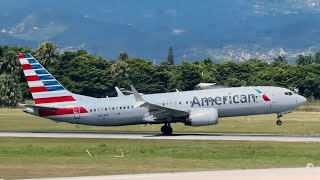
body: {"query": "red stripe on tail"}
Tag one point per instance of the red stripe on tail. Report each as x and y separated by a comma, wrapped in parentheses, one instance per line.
(33, 78)
(38, 89)
(54, 99)
(26, 67)
(21, 56)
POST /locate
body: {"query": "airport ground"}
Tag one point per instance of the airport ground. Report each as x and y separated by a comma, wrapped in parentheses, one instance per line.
(50, 157)
(54, 157)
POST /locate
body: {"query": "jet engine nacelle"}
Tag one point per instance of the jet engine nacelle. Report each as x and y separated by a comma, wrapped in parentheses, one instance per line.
(202, 117)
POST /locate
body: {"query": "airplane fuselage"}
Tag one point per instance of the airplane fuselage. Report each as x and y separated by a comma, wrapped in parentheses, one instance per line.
(237, 101)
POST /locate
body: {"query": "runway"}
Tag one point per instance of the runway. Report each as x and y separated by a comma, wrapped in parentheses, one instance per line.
(261, 174)
(223, 137)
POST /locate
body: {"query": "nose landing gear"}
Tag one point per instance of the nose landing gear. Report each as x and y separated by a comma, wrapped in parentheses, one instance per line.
(279, 122)
(166, 129)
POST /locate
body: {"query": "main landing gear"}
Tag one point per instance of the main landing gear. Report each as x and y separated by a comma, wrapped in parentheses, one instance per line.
(279, 122)
(166, 129)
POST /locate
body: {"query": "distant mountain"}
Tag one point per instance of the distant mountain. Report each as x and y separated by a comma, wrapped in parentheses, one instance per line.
(222, 30)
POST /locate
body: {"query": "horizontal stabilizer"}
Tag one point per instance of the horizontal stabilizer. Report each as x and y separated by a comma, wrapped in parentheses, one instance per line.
(119, 92)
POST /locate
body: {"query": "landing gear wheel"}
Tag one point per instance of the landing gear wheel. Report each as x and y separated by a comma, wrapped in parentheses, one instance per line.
(166, 129)
(163, 129)
(279, 122)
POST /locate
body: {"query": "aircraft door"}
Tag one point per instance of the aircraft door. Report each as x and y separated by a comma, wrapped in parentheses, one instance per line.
(274, 98)
(76, 112)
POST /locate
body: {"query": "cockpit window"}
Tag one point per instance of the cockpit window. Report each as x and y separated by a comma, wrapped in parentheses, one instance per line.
(288, 93)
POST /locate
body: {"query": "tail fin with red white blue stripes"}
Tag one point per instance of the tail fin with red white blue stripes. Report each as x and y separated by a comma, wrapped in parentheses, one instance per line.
(45, 89)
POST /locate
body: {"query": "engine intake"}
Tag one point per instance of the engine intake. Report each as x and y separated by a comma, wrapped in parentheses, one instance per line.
(202, 117)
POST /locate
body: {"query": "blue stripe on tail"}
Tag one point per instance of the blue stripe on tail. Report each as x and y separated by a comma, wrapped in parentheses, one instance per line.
(36, 66)
(32, 61)
(45, 77)
(42, 71)
(54, 88)
(50, 83)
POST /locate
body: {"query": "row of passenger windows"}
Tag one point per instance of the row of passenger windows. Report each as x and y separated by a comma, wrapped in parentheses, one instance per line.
(113, 108)
(128, 107)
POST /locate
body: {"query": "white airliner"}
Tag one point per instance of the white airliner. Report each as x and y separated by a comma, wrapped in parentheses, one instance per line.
(193, 108)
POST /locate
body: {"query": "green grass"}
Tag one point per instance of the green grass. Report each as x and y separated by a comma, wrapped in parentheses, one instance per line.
(49, 157)
(298, 122)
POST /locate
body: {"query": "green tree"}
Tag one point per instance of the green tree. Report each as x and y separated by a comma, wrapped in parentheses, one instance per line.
(234, 82)
(9, 64)
(119, 72)
(123, 56)
(208, 69)
(10, 94)
(304, 60)
(84, 74)
(188, 76)
(46, 54)
(316, 58)
(280, 59)
(310, 86)
(300, 60)
(168, 73)
(170, 57)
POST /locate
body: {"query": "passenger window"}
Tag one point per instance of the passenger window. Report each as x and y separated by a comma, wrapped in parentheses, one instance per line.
(90, 110)
(128, 107)
(187, 102)
(94, 110)
(105, 109)
(113, 108)
(179, 102)
(163, 104)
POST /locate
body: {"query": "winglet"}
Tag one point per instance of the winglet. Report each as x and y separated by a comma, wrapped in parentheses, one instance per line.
(119, 92)
(139, 100)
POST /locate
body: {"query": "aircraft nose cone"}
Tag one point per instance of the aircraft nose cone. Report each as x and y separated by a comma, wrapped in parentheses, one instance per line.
(301, 100)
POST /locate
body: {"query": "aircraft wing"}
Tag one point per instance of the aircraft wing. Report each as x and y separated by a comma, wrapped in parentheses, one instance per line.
(156, 112)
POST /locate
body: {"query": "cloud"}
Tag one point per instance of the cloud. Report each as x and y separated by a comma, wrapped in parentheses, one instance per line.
(276, 7)
(177, 31)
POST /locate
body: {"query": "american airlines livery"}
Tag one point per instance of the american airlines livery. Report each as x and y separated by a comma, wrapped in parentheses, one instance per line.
(193, 108)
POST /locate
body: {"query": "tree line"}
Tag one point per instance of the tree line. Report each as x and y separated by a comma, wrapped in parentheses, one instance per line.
(95, 76)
